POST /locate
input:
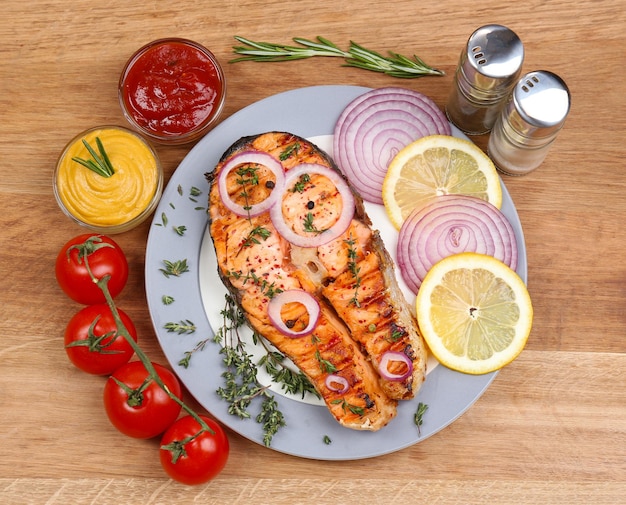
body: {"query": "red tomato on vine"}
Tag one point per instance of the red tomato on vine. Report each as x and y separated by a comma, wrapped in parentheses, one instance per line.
(94, 253)
(191, 456)
(136, 405)
(93, 343)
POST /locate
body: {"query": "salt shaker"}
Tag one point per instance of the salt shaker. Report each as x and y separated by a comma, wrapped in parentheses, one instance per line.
(488, 69)
(529, 123)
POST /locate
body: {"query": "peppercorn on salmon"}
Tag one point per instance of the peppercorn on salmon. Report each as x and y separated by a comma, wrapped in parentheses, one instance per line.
(297, 250)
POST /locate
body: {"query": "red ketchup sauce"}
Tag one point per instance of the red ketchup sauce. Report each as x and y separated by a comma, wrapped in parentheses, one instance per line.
(172, 90)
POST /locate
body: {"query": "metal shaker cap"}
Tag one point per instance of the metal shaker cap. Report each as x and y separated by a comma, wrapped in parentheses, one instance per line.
(539, 105)
(491, 63)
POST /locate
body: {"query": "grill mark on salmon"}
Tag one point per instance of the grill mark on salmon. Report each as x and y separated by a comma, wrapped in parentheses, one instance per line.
(350, 336)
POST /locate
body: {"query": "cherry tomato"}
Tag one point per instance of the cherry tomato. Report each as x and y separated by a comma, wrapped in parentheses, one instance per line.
(92, 342)
(139, 407)
(104, 256)
(198, 460)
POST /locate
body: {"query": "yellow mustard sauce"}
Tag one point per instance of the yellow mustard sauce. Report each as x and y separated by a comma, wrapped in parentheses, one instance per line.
(108, 201)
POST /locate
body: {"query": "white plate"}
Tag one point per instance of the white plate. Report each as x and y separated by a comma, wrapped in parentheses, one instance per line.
(198, 293)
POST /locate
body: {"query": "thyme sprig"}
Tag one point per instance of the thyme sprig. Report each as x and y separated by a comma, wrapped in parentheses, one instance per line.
(354, 269)
(99, 163)
(309, 225)
(269, 289)
(394, 65)
(241, 385)
(258, 231)
(291, 382)
(418, 417)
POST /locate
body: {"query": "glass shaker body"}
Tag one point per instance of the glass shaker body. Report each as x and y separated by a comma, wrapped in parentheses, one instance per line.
(488, 69)
(529, 123)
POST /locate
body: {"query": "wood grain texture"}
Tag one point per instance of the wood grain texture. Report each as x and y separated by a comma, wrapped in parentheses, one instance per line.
(552, 427)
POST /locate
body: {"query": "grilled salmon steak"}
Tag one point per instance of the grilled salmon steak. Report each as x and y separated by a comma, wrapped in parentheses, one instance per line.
(296, 249)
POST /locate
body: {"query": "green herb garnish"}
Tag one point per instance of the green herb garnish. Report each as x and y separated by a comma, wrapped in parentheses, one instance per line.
(309, 226)
(354, 268)
(181, 327)
(418, 418)
(395, 65)
(175, 268)
(241, 385)
(100, 163)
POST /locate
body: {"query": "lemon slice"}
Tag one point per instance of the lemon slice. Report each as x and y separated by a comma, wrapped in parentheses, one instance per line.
(474, 312)
(438, 165)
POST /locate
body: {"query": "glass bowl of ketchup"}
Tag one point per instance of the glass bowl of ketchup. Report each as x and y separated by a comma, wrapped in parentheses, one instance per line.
(172, 90)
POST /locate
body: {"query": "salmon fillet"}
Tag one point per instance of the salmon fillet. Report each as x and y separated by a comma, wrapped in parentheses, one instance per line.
(363, 316)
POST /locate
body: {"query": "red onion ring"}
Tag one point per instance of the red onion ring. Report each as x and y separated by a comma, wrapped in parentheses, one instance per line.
(374, 127)
(389, 357)
(333, 379)
(448, 225)
(293, 295)
(340, 226)
(252, 157)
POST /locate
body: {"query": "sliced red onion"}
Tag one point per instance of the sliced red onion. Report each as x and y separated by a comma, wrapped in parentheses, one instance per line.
(374, 127)
(449, 225)
(340, 226)
(336, 383)
(252, 157)
(388, 358)
(293, 295)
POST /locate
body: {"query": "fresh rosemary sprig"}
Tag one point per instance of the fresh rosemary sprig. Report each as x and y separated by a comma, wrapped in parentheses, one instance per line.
(394, 65)
(100, 164)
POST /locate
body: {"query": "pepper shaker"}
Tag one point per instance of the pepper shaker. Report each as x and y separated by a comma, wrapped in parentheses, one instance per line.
(488, 69)
(529, 123)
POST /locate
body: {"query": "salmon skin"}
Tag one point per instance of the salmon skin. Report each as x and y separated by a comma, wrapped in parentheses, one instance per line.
(364, 352)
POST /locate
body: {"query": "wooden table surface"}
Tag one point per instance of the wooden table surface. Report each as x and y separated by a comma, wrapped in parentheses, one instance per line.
(552, 426)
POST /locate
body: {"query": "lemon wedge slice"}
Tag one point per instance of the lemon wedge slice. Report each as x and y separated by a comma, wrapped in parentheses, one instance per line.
(474, 312)
(438, 165)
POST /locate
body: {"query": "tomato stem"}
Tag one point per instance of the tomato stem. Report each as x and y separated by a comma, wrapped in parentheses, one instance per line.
(84, 250)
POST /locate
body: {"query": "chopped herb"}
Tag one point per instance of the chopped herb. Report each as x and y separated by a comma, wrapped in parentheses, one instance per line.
(290, 151)
(371, 328)
(419, 416)
(355, 409)
(354, 269)
(195, 191)
(181, 327)
(180, 190)
(164, 218)
(269, 289)
(309, 226)
(299, 186)
(248, 176)
(167, 300)
(175, 268)
(325, 365)
(180, 230)
(327, 440)
(257, 231)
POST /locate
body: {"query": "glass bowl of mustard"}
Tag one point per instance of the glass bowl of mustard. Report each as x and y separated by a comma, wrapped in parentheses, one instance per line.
(108, 179)
(172, 90)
